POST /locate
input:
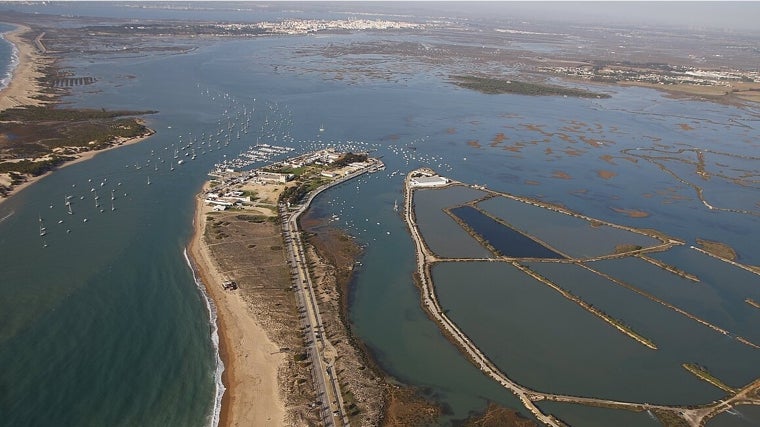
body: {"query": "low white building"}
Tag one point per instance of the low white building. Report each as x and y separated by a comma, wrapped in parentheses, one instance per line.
(429, 181)
(279, 178)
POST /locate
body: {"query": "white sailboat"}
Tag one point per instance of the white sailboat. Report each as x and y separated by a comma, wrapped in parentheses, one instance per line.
(43, 230)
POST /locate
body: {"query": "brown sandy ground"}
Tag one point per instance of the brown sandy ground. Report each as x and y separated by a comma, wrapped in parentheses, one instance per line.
(407, 409)
(24, 88)
(738, 94)
(498, 416)
(605, 174)
(251, 253)
(717, 248)
(631, 212)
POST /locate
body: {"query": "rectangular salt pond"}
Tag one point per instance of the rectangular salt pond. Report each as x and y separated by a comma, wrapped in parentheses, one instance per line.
(570, 235)
(546, 342)
(591, 416)
(441, 233)
(504, 239)
(678, 338)
(718, 298)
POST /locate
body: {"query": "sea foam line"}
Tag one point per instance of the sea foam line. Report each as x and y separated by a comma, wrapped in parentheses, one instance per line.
(219, 386)
(6, 79)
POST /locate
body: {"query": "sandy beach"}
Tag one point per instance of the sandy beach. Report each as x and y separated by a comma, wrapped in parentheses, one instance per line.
(253, 396)
(87, 155)
(23, 87)
(23, 90)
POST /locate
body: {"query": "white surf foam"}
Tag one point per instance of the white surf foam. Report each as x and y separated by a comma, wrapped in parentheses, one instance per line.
(6, 78)
(219, 386)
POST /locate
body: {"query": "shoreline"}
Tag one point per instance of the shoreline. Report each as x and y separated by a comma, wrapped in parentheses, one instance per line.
(23, 87)
(251, 360)
(80, 157)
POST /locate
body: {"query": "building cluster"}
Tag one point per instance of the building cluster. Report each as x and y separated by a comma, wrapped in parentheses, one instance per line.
(321, 157)
(305, 26)
(672, 75)
(427, 178)
(225, 194)
(222, 200)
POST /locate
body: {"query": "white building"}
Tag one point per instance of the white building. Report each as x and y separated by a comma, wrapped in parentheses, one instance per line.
(429, 181)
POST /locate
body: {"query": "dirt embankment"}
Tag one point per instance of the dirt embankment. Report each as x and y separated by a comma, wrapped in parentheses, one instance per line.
(499, 416)
(371, 397)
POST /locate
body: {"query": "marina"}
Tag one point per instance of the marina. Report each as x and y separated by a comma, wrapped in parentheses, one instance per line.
(113, 333)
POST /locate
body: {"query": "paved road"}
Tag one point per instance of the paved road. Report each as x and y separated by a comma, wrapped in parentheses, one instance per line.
(326, 384)
(320, 351)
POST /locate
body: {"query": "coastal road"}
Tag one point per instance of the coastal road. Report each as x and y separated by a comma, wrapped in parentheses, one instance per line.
(320, 352)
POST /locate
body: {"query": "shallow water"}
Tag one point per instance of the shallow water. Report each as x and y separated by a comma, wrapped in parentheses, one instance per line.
(110, 313)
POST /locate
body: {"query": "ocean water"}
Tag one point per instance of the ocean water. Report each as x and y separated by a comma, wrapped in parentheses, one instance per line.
(8, 57)
(105, 324)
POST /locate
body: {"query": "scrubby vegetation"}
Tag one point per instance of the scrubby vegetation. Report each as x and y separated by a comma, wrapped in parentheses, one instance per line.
(33, 168)
(58, 134)
(498, 86)
(347, 159)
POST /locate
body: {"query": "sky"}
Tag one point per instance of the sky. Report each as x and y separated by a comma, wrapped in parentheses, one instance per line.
(730, 16)
(737, 16)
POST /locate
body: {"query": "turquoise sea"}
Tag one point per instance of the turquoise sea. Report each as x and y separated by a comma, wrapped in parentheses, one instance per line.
(102, 323)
